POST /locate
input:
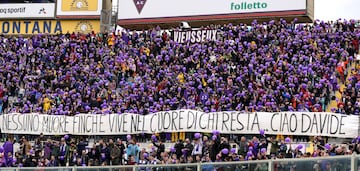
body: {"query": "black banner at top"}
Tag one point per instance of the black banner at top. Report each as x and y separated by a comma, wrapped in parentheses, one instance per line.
(194, 36)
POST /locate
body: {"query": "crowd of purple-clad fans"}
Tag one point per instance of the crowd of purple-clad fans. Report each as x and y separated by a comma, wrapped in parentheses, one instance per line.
(270, 67)
(274, 66)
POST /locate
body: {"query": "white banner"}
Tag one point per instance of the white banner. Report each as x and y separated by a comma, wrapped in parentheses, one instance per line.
(27, 10)
(142, 9)
(287, 123)
(78, 7)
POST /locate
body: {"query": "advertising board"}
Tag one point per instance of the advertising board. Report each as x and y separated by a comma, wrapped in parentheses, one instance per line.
(27, 10)
(10, 27)
(78, 7)
(149, 9)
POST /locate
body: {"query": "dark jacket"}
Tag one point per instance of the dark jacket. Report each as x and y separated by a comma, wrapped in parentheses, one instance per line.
(81, 146)
(93, 154)
(178, 147)
(29, 161)
(114, 154)
(215, 149)
(190, 148)
(121, 148)
(160, 149)
(53, 163)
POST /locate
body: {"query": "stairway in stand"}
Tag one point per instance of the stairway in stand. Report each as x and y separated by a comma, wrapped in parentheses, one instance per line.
(333, 103)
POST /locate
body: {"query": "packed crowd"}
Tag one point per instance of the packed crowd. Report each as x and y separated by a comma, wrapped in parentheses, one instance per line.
(350, 94)
(274, 66)
(208, 149)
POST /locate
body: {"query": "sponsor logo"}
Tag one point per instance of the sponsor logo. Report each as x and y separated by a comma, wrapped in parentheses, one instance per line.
(139, 5)
(72, 6)
(42, 11)
(27, 10)
(79, 5)
(84, 27)
(30, 27)
(248, 6)
(48, 26)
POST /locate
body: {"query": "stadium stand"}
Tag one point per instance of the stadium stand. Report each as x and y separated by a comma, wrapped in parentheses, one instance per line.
(270, 67)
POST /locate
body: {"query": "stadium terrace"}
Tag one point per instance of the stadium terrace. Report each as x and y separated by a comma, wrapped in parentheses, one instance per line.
(265, 88)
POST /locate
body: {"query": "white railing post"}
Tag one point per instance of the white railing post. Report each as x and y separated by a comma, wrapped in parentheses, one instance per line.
(353, 162)
(198, 166)
(271, 165)
(134, 168)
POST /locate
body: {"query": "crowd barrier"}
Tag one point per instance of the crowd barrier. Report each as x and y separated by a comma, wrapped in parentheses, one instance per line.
(346, 163)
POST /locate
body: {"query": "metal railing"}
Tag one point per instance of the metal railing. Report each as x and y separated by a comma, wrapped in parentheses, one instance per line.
(348, 163)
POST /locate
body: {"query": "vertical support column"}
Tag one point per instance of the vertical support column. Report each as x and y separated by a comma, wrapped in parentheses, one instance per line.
(134, 168)
(106, 15)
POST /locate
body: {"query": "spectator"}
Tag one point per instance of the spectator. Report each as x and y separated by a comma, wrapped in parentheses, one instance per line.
(274, 149)
(243, 146)
(8, 147)
(25, 146)
(188, 147)
(63, 153)
(132, 150)
(224, 144)
(114, 153)
(179, 146)
(29, 160)
(81, 145)
(160, 148)
(53, 162)
(83, 160)
(94, 155)
(104, 153)
(73, 153)
(121, 149)
(208, 166)
(198, 147)
(38, 145)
